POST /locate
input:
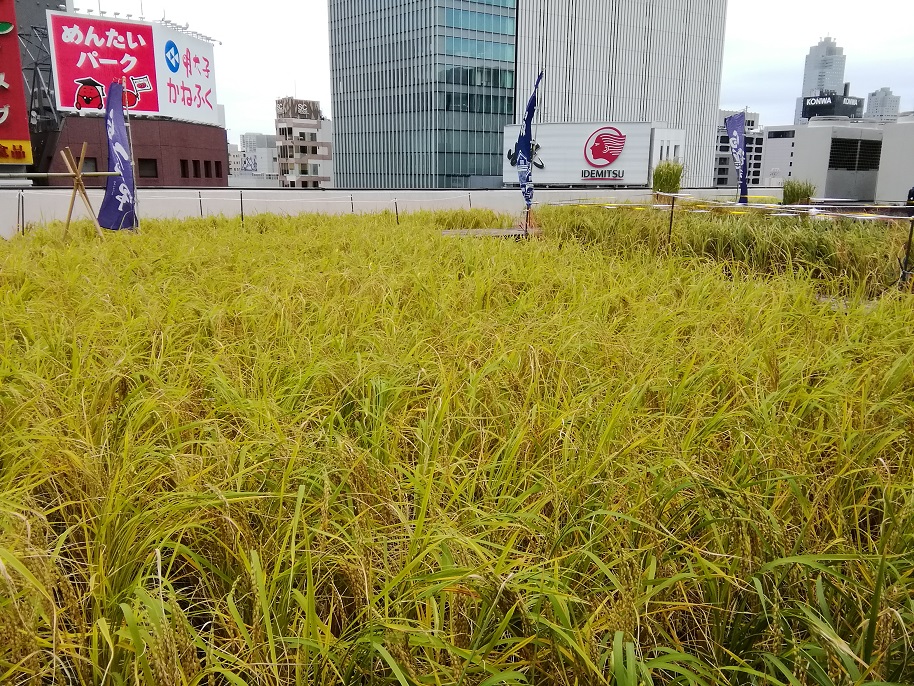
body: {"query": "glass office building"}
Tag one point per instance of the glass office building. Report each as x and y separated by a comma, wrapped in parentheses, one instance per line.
(422, 90)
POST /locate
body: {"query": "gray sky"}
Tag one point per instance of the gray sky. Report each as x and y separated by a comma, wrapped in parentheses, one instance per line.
(274, 48)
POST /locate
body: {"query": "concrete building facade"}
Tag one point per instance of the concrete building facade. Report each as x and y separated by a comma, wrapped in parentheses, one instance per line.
(823, 73)
(846, 160)
(883, 105)
(304, 144)
(627, 61)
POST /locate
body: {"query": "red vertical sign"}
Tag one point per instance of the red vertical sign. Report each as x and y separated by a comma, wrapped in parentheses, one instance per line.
(15, 145)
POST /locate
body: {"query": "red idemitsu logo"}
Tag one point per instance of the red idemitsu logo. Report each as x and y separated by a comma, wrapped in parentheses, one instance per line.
(604, 147)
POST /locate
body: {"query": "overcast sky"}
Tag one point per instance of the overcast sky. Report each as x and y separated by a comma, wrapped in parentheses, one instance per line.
(274, 48)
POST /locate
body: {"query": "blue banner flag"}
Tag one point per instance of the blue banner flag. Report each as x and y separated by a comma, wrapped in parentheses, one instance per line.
(118, 209)
(525, 148)
(736, 132)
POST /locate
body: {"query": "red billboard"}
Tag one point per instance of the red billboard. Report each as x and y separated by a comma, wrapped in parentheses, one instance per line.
(15, 145)
(89, 54)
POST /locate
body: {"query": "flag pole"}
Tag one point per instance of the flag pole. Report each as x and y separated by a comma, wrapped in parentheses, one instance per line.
(136, 202)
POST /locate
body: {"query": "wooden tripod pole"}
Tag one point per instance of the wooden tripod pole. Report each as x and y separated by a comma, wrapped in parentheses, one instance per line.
(79, 187)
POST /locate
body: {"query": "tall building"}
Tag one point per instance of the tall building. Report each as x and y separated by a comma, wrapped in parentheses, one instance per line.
(823, 74)
(883, 105)
(304, 139)
(421, 91)
(629, 60)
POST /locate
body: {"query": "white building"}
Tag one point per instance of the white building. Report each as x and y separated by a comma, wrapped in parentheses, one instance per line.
(883, 105)
(235, 158)
(779, 154)
(824, 72)
(305, 144)
(259, 157)
(725, 175)
(896, 170)
(627, 61)
(845, 159)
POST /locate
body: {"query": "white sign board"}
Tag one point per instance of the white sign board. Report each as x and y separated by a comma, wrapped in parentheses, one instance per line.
(187, 82)
(602, 153)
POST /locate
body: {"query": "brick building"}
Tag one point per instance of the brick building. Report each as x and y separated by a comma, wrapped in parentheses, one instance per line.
(167, 152)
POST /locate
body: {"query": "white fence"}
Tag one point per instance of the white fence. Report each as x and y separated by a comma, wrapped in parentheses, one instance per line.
(20, 208)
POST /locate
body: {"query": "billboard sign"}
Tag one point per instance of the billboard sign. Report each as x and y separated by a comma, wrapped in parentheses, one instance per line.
(832, 106)
(187, 82)
(15, 143)
(585, 154)
(167, 73)
(291, 108)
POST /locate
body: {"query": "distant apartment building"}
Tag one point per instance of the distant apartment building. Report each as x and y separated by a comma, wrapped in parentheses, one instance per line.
(304, 139)
(823, 73)
(254, 163)
(235, 157)
(725, 175)
(422, 91)
(883, 105)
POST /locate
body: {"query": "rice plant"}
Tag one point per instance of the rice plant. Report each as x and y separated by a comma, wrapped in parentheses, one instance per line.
(315, 450)
(797, 192)
(668, 176)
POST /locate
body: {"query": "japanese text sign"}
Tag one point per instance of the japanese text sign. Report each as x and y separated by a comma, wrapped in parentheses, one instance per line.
(15, 145)
(168, 73)
(89, 54)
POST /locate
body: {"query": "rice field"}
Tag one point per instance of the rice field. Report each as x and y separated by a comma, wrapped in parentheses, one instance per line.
(314, 450)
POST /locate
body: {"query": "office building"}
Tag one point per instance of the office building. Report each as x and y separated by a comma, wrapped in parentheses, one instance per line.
(883, 105)
(421, 91)
(304, 140)
(627, 61)
(823, 73)
(725, 174)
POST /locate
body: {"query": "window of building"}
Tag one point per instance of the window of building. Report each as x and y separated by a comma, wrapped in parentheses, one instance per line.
(313, 149)
(147, 168)
(208, 169)
(90, 164)
(185, 169)
(313, 137)
(196, 169)
(219, 169)
(782, 134)
(315, 184)
(724, 148)
(724, 139)
(315, 170)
